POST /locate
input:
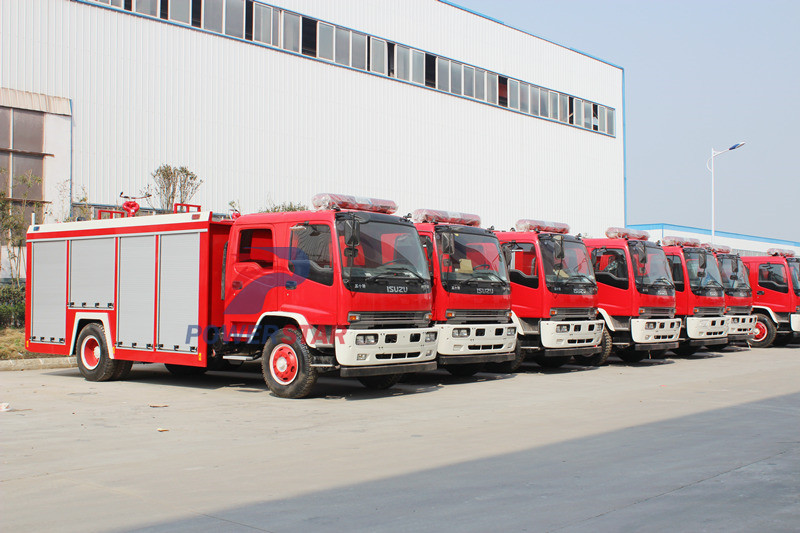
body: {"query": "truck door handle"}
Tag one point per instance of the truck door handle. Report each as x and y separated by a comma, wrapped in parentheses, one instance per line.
(236, 285)
(760, 293)
(291, 285)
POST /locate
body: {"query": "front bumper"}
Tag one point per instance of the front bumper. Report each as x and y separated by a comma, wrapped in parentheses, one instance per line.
(578, 334)
(707, 328)
(482, 339)
(655, 330)
(382, 370)
(794, 321)
(445, 360)
(565, 352)
(741, 327)
(394, 347)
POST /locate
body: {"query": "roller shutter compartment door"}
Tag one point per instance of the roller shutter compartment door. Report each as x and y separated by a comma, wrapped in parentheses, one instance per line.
(178, 295)
(91, 278)
(136, 292)
(49, 298)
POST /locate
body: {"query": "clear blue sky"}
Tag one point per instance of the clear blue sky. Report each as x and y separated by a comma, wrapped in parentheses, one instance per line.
(699, 74)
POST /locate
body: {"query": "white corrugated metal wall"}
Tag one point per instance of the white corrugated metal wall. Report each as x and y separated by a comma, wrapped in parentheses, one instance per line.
(260, 125)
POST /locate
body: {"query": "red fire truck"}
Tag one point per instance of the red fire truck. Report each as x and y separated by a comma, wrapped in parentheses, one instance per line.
(699, 294)
(345, 288)
(776, 303)
(553, 295)
(636, 296)
(471, 292)
(738, 295)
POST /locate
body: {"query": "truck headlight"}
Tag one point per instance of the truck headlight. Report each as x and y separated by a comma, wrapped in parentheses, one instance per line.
(461, 332)
(562, 328)
(511, 331)
(650, 325)
(430, 336)
(362, 340)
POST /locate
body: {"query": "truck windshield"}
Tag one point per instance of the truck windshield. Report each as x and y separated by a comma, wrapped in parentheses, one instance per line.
(566, 265)
(704, 276)
(382, 257)
(734, 275)
(794, 269)
(474, 262)
(650, 268)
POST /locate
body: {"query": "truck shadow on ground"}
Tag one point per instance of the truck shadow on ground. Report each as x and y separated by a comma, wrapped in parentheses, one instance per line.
(616, 361)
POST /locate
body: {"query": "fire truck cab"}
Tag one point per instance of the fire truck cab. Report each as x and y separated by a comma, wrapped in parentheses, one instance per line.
(776, 303)
(738, 294)
(471, 291)
(344, 288)
(636, 295)
(699, 294)
(553, 294)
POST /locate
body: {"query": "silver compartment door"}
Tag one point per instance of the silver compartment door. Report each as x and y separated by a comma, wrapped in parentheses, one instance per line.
(49, 298)
(91, 273)
(179, 287)
(136, 288)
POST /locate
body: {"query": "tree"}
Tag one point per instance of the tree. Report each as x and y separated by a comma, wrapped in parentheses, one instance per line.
(284, 206)
(172, 185)
(14, 221)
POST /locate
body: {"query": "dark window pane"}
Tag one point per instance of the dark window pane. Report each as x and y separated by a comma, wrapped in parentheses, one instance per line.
(234, 18)
(28, 131)
(430, 70)
(5, 127)
(27, 181)
(4, 173)
(309, 37)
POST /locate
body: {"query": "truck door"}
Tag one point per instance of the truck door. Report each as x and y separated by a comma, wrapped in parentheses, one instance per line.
(773, 286)
(611, 272)
(252, 279)
(678, 277)
(311, 289)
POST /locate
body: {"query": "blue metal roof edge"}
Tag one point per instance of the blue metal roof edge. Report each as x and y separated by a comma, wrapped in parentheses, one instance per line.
(487, 17)
(703, 231)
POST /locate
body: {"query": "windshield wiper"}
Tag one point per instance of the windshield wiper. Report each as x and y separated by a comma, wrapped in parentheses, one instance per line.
(490, 273)
(663, 280)
(577, 277)
(393, 274)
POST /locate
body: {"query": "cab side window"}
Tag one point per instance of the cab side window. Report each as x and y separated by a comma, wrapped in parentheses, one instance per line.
(677, 271)
(427, 245)
(256, 246)
(772, 276)
(610, 267)
(311, 253)
(522, 268)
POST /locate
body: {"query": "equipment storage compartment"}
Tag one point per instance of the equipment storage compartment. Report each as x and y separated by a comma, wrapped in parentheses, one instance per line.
(49, 291)
(179, 284)
(91, 267)
(136, 288)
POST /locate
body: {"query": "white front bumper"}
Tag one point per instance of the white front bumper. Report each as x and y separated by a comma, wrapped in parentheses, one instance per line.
(742, 325)
(482, 339)
(660, 330)
(389, 350)
(707, 327)
(794, 320)
(580, 333)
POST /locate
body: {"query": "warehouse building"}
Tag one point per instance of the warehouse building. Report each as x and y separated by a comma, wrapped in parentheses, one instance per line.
(739, 243)
(419, 101)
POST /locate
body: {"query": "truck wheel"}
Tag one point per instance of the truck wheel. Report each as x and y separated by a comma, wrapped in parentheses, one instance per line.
(123, 370)
(598, 359)
(465, 371)
(286, 365)
(185, 371)
(783, 340)
(93, 360)
(629, 355)
(552, 362)
(765, 332)
(508, 367)
(685, 351)
(380, 382)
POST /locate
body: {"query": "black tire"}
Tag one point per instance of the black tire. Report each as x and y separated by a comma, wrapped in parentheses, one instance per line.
(381, 382)
(508, 367)
(465, 371)
(783, 339)
(598, 359)
(286, 364)
(629, 355)
(765, 332)
(658, 354)
(92, 354)
(123, 370)
(685, 351)
(552, 362)
(183, 371)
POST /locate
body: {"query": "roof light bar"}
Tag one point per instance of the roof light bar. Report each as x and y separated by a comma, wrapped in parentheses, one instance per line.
(434, 216)
(358, 203)
(540, 226)
(680, 241)
(627, 233)
(781, 251)
(717, 248)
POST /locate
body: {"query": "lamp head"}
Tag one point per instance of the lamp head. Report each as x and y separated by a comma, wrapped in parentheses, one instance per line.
(737, 145)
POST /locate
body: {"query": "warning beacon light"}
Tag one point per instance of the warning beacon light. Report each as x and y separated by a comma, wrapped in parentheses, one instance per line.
(627, 233)
(680, 241)
(356, 203)
(781, 251)
(716, 248)
(541, 226)
(434, 216)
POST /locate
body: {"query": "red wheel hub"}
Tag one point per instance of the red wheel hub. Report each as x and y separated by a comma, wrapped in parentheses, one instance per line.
(761, 332)
(90, 353)
(283, 364)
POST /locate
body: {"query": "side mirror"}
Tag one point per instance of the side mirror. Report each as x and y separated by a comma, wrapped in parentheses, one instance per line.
(448, 243)
(559, 244)
(703, 262)
(352, 232)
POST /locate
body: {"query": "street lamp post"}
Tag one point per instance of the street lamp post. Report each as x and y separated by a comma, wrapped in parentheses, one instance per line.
(714, 154)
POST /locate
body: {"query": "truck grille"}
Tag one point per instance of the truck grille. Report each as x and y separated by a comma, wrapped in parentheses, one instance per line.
(658, 312)
(477, 316)
(572, 313)
(390, 319)
(740, 310)
(710, 311)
